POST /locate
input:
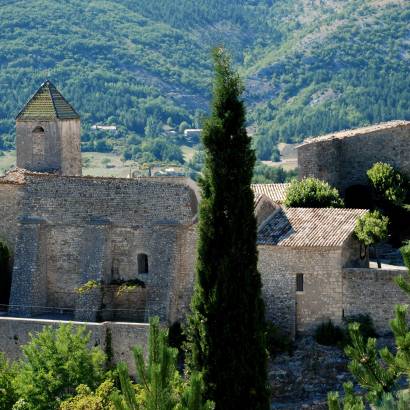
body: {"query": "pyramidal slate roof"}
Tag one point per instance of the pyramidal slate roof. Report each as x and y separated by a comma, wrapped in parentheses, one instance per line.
(47, 104)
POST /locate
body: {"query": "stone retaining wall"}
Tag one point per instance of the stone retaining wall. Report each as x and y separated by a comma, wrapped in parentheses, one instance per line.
(373, 292)
(14, 332)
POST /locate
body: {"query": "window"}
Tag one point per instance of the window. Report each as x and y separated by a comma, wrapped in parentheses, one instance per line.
(299, 282)
(38, 130)
(142, 263)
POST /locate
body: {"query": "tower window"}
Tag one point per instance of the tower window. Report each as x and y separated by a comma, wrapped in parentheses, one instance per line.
(299, 282)
(142, 263)
(38, 130)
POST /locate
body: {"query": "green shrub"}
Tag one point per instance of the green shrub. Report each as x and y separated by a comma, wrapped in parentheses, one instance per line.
(405, 253)
(86, 399)
(388, 184)
(372, 228)
(55, 362)
(328, 334)
(7, 394)
(277, 341)
(312, 193)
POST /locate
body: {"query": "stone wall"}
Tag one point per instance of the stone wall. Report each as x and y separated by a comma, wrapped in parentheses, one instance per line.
(10, 197)
(70, 137)
(320, 160)
(38, 151)
(14, 332)
(322, 295)
(372, 292)
(95, 228)
(278, 290)
(49, 145)
(344, 161)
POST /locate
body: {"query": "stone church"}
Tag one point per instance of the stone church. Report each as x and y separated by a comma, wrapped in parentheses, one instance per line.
(65, 230)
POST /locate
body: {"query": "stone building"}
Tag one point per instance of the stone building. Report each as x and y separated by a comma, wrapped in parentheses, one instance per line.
(48, 134)
(65, 230)
(343, 158)
(133, 241)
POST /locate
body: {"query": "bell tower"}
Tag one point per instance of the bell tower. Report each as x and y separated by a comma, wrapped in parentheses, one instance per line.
(48, 134)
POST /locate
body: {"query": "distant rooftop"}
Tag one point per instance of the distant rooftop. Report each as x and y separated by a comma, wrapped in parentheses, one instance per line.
(309, 227)
(358, 131)
(47, 104)
(275, 192)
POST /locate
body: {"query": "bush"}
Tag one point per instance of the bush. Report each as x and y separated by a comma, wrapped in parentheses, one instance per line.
(388, 184)
(7, 394)
(312, 193)
(328, 334)
(86, 399)
(372, 228)
(277, 341)
(405, 252)
(54, 364)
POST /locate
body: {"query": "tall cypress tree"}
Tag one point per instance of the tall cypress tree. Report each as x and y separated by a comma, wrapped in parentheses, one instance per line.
(226, 327)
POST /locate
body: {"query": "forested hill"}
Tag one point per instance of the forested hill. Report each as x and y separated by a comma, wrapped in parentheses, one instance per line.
(311, 66)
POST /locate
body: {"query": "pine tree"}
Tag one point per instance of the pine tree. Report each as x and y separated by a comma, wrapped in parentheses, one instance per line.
(226, 340)
(160, 385)
(379, 372)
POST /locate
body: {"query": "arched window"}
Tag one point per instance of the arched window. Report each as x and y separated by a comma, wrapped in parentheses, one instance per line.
(38, 130)
(142, 263)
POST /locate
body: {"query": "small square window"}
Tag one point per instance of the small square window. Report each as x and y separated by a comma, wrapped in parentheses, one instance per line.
(299, 282)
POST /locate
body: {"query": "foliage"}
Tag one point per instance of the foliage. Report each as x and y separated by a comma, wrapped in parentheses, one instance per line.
(405, 251)
(176, 336)
(124, 288)
(350, 401)
(88, 286)
(388, 184)
(162, 150)
(160, 385)
(277, 341)
(366, 325)
(372, 228)
(226, 331)
(86, 399)
(311, 70)
(328, 334)
(312, 193)
(55, 362)
(7, 393)
(379, 371)
(264, 174)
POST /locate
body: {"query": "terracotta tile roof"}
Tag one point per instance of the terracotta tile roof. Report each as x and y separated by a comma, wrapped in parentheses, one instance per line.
(309, 227)
(47, 104)
(358, 131)
(275, 192)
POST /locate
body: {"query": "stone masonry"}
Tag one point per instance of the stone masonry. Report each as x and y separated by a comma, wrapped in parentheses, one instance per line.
(343, 158)
(65, 230)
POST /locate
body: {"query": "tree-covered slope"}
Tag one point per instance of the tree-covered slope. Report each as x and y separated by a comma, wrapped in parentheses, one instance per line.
(311, 66)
